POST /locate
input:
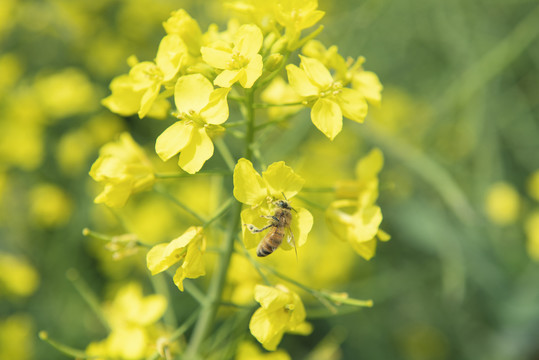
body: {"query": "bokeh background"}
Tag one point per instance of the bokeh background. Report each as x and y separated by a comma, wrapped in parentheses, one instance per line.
(458, 125)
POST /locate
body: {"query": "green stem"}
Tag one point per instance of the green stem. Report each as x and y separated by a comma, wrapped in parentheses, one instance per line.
(209, 309)
(226, 205)
(267, 105)
(225, 153)
(87, 294)
(163, 176)
(250, 116)
(65, 349)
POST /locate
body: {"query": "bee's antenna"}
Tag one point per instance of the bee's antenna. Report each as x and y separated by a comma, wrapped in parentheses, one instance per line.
(282, 192)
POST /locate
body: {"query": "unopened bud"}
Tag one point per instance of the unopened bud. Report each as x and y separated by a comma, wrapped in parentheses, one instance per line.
(273, 62)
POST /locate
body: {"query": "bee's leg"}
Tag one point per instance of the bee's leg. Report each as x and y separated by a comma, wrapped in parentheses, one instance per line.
(255, 230)
(271, 217)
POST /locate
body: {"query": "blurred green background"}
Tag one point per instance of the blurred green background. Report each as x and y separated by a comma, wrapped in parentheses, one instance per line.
(458, 127)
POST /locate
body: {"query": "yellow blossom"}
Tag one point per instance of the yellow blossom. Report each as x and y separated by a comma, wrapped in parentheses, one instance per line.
(138, 91)
(328, 98)
(240, 63)
(183, 25)
(347, 71)
(124, 169)
(17, 276)
(201, 109)
(281, 310)
(131, 317)
(189, 247)
(357, 220)
(50, 206)
(502, 203)
(260, 192)
(296, 15)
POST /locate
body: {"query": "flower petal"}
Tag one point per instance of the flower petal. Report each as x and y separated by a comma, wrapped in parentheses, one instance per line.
(327, 117)
(301, 225)
(368, 84)
(173, 140)
(316, 72)
(192, 93)
(254, 217)
(228, 77)
(281, 179)
(249, 40)
(300, 82)
(353, 104)
(216, 112)
(249, 187)
(195, 154)
(252, 72)
(217, 58)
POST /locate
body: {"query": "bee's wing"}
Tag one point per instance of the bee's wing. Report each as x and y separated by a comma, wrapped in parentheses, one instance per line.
(289, 236)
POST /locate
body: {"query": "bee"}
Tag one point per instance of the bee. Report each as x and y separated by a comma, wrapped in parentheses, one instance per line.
(279, 224)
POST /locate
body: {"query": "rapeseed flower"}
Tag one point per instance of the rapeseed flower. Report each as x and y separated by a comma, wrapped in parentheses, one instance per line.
(502, 203)
(250, 351)
(296, 15)
(131, 317)
(201, 109)
(138, 91)
(189, 246)
(281, 310)
(240, 63)
(357, 220)
(124, 169)
(329, 99)
(260, 192)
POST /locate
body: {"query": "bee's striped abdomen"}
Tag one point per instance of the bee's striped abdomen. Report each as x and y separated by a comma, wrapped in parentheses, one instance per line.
(270, 242)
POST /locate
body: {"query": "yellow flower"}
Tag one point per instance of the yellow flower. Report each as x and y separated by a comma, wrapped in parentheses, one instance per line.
(131, 317)
(281, 310)
(260, 192)
(17, 277)
(124, 169)
(502, 203)
(201, 109)
(183, 25)
(50, 206)
(249, 351)
(296, 15)
(138, 91)
(347, 71)
(241, 63)
(328, 98)
(358, 220)
(189, 247)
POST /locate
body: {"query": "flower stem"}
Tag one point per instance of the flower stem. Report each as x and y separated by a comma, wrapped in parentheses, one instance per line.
(209, 309)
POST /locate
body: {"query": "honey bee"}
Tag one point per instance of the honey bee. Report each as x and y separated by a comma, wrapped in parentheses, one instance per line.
(279, 224)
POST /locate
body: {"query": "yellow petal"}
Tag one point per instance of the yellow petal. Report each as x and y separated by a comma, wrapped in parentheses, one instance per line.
(365, 249)
(192, 93)
(368, 84)
(115, 195)
(173, 140)
(162, 256)
(178, 278)
(301, 225)
(353, 104)
(268, 329)
(216, 112)
(193, 264)
(370, 165)
(218, 58)
(253, 217)
(316, 72)
(195, 154)
(228, 77)
(249, 187)
(280, 179)
(327, 117)
(169, 56)
(124, 100)
(300, 82)
(249, 40)
(252, 72)
(148, 99)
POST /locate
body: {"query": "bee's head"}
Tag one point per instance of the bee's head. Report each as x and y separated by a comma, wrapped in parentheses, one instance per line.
(283, 204)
